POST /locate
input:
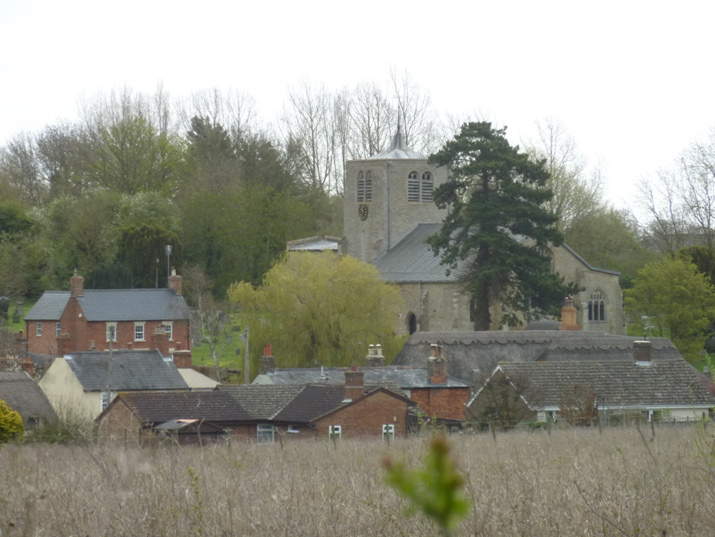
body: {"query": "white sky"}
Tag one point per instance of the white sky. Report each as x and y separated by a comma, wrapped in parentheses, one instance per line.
(631, 81)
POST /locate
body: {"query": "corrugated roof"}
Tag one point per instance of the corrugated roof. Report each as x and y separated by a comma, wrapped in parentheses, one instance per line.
(114, 305)
(23, 395)
(160, 407)
(131, 370)
(664, 383)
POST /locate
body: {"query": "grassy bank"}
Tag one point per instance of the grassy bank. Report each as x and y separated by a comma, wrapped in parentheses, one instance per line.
(573, 482)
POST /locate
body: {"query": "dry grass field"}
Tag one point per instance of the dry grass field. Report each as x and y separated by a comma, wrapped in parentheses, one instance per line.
(572, 482)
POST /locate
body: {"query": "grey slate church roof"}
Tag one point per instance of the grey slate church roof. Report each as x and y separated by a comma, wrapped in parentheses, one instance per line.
(621, 383)
(114, 305)
(23, 395)
(131, 370)
(473, 353)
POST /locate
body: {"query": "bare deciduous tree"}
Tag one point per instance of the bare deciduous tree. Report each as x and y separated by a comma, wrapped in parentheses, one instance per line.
(681, 201)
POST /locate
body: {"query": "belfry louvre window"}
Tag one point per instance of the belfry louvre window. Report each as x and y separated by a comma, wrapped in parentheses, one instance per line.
(413, 187)
(427, 187)
(597, 307)
(364, 187)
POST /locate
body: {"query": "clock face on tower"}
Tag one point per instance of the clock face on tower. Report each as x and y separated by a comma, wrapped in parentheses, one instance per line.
(363, 211)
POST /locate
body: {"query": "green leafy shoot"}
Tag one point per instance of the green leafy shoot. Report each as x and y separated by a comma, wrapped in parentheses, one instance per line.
(435, 490)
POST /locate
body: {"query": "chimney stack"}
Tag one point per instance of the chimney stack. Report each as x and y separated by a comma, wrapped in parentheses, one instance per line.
(642, 351)
(175, 282)
(76, 285)
(28, 367)
(569, 316)
(354, 384)
(268, 361)
(437, 365)
(374, 356)
(182, 359)
(64, 342)
(160, 340)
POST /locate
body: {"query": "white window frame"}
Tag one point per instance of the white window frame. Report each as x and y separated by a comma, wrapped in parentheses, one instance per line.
(293, 429)
(38, 329)
(58, 329)
(137, 326)
(104, 400)
(335, 432)
(169, 328)
(265, 433)
(388, 432)
(108, 326)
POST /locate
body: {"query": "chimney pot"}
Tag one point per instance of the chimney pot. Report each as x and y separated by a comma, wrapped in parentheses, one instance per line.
(175, 282)
(268, 362)
(569, 315)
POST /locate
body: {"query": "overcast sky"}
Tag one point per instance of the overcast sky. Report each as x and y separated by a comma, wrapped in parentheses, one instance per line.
(632, 82)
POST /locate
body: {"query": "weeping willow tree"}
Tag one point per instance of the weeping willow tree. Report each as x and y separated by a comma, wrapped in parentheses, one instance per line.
(319, 309)
(141, 250)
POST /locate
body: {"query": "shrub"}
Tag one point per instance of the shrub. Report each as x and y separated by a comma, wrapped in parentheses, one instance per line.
(11, 426)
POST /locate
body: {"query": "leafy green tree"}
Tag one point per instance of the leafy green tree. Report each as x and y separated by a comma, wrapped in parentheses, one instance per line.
(11, 426)
(319, 308)
(497, 228)
(609, 239)
(674, 300)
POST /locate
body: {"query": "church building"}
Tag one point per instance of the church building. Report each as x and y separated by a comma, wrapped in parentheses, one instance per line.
(388, 214)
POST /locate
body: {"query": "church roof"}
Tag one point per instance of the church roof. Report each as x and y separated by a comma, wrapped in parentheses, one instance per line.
(398, 150)
(412, 260)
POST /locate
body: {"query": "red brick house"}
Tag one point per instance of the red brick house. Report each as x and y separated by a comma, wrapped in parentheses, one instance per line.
(436, 393)
(266, 413)
(80, 320)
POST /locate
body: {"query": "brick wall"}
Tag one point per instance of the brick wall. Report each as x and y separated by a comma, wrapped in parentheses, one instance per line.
(446, 403)
(120, 425)
(364, 418)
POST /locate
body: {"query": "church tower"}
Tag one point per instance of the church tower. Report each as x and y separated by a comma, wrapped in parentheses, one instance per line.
(386, 196)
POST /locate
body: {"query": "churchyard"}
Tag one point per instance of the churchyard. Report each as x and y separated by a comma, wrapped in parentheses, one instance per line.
(621, 481)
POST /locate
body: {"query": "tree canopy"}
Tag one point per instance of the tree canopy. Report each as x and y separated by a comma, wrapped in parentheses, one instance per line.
(319, 309)
(672, 299)
(498, 229)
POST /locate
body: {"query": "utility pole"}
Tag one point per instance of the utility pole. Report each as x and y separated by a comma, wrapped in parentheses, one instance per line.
(168, 263)
(245, 356)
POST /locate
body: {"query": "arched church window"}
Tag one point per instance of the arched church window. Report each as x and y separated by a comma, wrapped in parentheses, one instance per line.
(597, 307)
(427, 187)
(413, 187)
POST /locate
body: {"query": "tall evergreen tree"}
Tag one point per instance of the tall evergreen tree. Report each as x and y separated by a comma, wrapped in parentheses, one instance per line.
(498, 230)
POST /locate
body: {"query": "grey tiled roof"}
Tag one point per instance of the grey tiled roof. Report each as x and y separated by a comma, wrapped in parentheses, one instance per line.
(312, 401)
(24, 396)
(404, 377)
(262, 401)
(114, 305)
(159, 407)
(131, 370)
(467, 352)
(49, 307)
(666, 383)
